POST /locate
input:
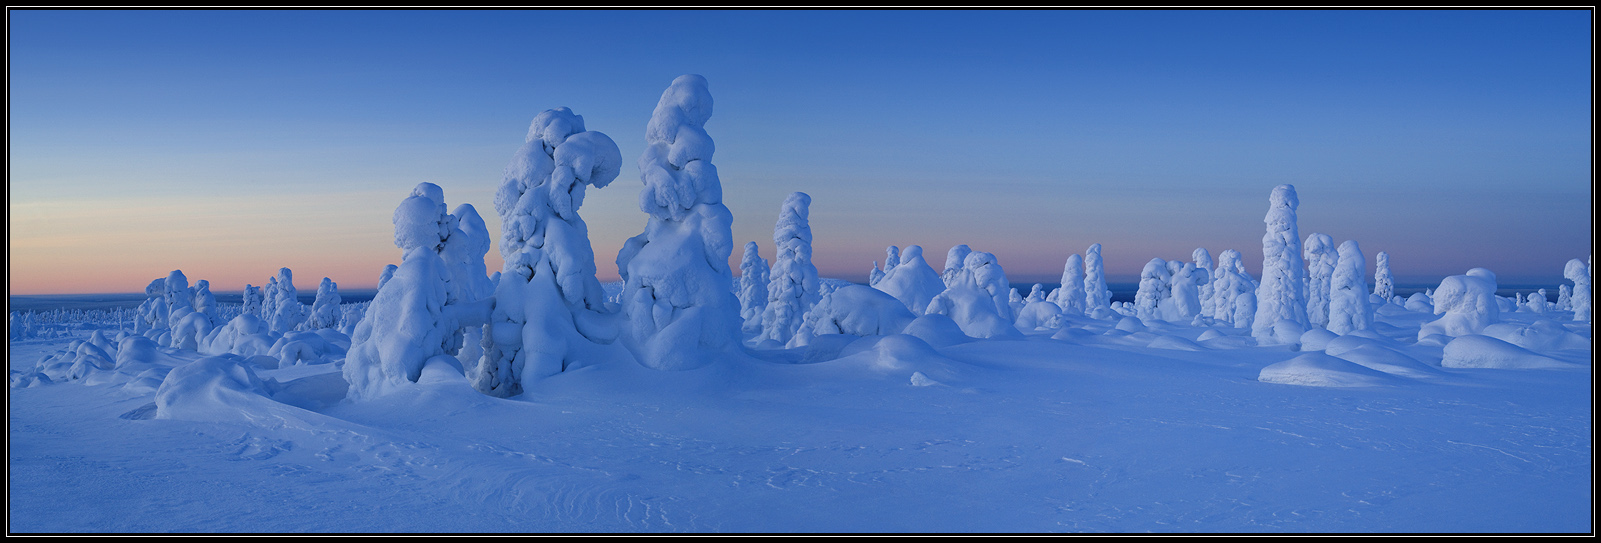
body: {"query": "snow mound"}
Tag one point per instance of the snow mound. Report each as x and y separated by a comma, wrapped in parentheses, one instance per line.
(1175, 343)
(213, 388)
(1317, 339)
(937, 330)
(1542, 335)
(1321, 370)
(1389, 361)
(912, 280)
(1477, 351)
(855, 310)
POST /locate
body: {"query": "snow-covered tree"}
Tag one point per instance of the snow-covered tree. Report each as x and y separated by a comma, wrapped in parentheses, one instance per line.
(912, 281)
(325, 310)
(792, 288)
(1320, 260)
(677, 300)
(205, 302)
(1184, 295)
(954, 260)
(1348, 292)
(1154, 287)
(1467, 304)
(1383, 282)
(288, 312)
(1097, 298)
(1204, 267)
(892, 258)
(1564, 298)
(548, 307)
(1070, 296)
(978, 298)
(252, 299)
(753, 273)
(1231, 285)
(1281, 296)
(1537, 302)
(408, 324)
(1578, 271)
(389, 272)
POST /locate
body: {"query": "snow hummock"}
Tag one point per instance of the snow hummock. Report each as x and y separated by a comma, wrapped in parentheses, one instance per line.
(1477, 351)
(1321, 370)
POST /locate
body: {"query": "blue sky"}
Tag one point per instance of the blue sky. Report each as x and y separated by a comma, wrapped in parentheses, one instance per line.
(229, 144)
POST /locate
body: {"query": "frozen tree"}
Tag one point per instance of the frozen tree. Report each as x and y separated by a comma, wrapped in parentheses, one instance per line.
(325, 310)
(1035, 294)
(676, 298)
(1204, 267)
(1281, 295)
(1564, 298)
(912, 281)
(792, 287)
(875, 275)
(205, 302)
(289, 312)
(1348, 292)
(1070, 296)
(1320, 260)
(1467, 304)
(977, 298)
(892, 258)
(549, 310)
(1097, 298)
(1230, 291)
(408, 324)
(389, 272)
(463, 253)
(1537, 302)
(252, 299)
(1154, 287)
(1383, 282)
(954, 260)
(1185, 293)
(1578, 271)
(752, 288)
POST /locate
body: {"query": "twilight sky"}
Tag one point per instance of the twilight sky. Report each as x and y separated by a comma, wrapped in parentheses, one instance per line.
(231, 144)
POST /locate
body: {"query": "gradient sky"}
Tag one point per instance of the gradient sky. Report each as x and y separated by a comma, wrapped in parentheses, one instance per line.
(229, 144)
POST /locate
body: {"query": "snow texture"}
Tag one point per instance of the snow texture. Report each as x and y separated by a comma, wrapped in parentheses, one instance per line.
(677, 298)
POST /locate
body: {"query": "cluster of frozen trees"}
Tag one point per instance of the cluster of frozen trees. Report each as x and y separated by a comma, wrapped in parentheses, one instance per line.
(440, 313)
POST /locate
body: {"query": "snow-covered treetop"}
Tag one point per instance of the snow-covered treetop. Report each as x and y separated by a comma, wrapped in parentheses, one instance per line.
(676, 166)
(420, 223)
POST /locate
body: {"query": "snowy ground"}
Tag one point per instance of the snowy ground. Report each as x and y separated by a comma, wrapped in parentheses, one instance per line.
(1098, 432)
